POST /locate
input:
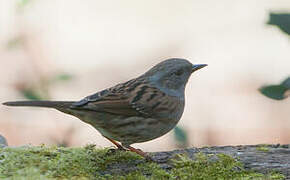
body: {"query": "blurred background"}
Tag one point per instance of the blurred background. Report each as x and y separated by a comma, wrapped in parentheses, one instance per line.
(66, 50)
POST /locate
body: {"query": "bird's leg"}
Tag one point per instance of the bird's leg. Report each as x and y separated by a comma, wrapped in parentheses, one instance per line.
(140, 152)
(119, 146)
(130, 148)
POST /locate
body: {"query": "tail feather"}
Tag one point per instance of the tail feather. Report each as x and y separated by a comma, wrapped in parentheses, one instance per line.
(48, 104)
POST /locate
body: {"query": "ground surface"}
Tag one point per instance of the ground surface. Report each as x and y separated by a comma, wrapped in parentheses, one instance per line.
(229, 162)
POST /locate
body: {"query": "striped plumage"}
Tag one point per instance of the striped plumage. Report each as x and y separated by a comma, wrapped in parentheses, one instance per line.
(138, 110)
(132, 106)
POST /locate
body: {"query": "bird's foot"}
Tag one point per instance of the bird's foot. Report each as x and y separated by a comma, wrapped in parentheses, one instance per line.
(125, 148)
(141, 153)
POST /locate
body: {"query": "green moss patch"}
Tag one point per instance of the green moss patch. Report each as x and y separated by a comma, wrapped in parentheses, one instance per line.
(263, 148)
(91, 163)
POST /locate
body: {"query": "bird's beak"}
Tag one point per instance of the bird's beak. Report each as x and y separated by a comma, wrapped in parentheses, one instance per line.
(197, 67)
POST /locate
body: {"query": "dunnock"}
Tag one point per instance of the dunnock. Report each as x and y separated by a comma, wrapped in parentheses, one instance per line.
(138, 110)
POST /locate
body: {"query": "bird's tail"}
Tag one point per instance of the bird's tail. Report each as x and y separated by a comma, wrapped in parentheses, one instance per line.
(48, 104)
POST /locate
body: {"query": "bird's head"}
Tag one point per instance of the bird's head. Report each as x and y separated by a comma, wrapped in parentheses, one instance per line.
(172, 75)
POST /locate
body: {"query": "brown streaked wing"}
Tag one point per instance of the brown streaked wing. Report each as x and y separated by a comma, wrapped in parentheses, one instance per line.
(115, 100)
(115, 104)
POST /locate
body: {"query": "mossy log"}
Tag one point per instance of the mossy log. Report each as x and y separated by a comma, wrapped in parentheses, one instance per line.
(263, 158)
(223, 162)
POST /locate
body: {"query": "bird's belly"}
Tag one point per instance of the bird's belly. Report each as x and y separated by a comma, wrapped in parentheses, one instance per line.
(131, 130)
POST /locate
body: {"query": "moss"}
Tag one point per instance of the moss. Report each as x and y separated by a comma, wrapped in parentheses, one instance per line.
(225, 167)
(57, 162)
(91, 163)
(276, 175)
(263, 148)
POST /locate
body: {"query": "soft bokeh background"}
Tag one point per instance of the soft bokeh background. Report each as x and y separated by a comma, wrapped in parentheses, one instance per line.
(65, 50)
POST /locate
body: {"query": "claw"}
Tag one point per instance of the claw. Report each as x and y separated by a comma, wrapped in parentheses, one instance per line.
(138, 151)
(141, 153)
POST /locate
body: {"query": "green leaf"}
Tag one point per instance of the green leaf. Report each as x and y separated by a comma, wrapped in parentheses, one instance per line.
(180, 136)
(274, 91)
(286, 83)
(22, 3)
(14, 43)
(281, 20)
(62, 77)
(30, 94)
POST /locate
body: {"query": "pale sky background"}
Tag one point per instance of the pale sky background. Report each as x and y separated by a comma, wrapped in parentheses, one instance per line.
(106, 42)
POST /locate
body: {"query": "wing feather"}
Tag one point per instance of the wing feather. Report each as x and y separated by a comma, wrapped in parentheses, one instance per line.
(133, 98)
(115, 100)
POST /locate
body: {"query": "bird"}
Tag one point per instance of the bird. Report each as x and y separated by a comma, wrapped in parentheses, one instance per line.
(136, 111)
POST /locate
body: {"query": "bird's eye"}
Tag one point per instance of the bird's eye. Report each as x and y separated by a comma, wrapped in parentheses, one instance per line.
(178, 72)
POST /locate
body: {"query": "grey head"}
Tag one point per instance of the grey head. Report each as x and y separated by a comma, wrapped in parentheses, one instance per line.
(171, 75)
